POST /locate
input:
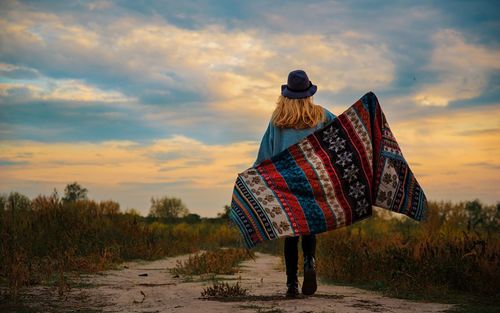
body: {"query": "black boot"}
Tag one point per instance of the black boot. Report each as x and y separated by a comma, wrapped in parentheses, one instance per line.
(309, 286)
(292, 285)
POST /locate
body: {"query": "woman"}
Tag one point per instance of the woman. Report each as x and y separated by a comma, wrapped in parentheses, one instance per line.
(295, 117)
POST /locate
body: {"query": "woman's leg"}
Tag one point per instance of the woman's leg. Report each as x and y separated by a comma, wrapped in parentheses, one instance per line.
(309, 285)
(291, 258)
(309, 245)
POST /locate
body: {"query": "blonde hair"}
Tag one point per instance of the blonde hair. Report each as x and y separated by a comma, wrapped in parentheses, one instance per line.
(297, 113)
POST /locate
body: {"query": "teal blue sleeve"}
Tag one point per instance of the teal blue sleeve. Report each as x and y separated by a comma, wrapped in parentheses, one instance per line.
(329, 115)
(266, 146)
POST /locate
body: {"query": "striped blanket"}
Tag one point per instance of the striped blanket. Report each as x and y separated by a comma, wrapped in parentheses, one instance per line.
(329, 179)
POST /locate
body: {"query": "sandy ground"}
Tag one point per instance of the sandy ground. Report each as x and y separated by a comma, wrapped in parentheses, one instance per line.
(126, 291)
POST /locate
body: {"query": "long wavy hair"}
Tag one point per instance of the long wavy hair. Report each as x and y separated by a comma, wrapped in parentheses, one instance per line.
(297, 113)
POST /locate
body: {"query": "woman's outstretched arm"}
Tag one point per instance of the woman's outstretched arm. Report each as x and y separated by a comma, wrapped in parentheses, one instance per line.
(266, 147)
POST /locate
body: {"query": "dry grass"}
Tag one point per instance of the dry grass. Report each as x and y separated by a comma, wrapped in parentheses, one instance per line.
(219, 261)
(224, 290)
(42, 240)
(406, 258)
(457, 248)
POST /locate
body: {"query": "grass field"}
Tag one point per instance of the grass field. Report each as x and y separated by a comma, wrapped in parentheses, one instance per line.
(453, 254)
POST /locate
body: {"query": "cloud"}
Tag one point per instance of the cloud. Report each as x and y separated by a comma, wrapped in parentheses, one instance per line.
(99, 5)
(115, 162)
(57, 120)
(68, 90)
(201, 82)
(135, 100)
(482, 131)
(17, 72)
(11, 163)
(462, 69)
(212, 61)
(437, 142)
(485, 164)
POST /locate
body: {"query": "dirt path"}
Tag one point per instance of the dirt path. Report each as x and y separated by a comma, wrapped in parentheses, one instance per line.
(126, 291)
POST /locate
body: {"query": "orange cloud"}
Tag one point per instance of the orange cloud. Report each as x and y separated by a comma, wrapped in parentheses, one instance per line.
(454, 156)
(112, 162)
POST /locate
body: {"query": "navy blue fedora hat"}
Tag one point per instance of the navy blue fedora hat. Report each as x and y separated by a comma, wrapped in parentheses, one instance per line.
(298, 86)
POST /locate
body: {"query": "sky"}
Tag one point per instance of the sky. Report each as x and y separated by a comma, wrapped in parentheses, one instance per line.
(139, 99)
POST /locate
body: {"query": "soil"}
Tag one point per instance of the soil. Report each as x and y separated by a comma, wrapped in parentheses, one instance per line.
(151, 287)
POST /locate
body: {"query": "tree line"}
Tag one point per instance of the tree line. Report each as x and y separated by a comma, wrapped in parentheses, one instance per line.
(165, 209)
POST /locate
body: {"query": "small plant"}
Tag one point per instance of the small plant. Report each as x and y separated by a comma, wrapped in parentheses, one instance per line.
(224, 290)
(219, 261)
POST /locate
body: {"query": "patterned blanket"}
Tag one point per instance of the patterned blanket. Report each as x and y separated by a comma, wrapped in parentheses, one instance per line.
(329, 179)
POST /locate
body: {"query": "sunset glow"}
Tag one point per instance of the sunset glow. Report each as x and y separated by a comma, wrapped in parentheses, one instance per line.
(134, 102)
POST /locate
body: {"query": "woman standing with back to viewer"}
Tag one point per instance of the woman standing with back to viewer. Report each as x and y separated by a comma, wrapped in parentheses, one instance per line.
(295, 117)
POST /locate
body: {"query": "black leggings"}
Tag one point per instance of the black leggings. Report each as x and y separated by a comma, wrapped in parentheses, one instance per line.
(292, 252)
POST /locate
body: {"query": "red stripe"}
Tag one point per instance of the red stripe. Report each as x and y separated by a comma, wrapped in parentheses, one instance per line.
(274, 180)
(314, 181)
(377, 146)
(364, 115)
(339, 192)
(409, 194)
(286, 196)
(359, 147)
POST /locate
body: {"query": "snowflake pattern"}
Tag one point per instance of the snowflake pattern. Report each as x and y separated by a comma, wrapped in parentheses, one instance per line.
(337, 144)
(350, 173)
(344, 158)
(361, 206)
(330, 133)
(357, 190)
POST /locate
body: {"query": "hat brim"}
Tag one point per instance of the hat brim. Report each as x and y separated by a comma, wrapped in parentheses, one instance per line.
(298, 94)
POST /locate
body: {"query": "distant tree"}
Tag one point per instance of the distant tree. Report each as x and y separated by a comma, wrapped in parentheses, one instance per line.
(492, 218)
(74, 192)
(132, 211)
(109, 207)
(192, 218)
(3, 202)
(168, 208)
(224, 214)
(134, 214)
(17, 202)
(475, 214)
(43, 201)
(495, 218)
(55, 195)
